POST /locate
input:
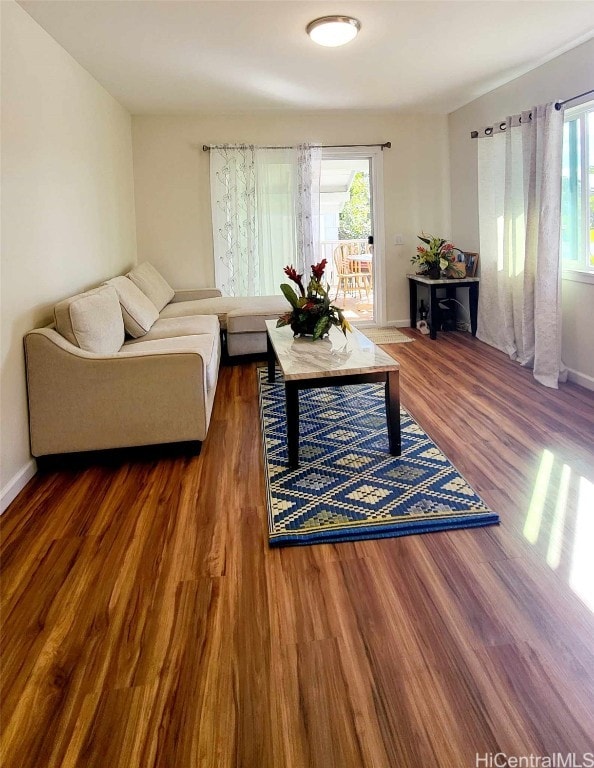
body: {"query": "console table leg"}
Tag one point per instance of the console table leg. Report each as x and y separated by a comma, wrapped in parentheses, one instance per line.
(473, 295)
(270, 356)
(292, 410)
(393, 412)
(433, 309)
(412, 293)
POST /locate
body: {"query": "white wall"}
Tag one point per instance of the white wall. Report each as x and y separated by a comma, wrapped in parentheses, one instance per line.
(67, 204)
(558, 79)
(171, 174)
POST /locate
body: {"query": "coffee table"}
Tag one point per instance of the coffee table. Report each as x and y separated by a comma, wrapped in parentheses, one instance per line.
(335, 361)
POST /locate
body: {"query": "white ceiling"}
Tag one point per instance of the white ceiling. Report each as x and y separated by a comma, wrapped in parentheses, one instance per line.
(167, 56)
(336, 178)
(337, 175)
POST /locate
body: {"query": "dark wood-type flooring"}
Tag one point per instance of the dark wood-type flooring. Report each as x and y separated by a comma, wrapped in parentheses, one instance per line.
(146, 623)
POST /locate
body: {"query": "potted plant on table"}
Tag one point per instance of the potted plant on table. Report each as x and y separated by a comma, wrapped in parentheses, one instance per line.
(312, 313)
(437, 256)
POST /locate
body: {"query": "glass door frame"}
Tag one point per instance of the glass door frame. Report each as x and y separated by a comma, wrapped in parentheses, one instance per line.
(376, 188)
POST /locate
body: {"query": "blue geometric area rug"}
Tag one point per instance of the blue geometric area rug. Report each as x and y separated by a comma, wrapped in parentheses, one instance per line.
(348, 486)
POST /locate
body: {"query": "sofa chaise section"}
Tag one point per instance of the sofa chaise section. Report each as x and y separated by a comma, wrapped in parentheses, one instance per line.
(242, 318)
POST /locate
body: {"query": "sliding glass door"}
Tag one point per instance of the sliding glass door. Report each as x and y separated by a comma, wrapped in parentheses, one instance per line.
(349, 230)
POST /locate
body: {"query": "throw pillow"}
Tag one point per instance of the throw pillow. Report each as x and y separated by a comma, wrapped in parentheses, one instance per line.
(152, 284)
(138, 310)
(92, 320)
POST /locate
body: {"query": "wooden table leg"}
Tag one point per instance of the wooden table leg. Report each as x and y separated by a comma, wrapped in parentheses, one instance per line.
(271, 357)
(433, 311)
(473, 296)
(412, 293)
(292, 411)
(393, 412)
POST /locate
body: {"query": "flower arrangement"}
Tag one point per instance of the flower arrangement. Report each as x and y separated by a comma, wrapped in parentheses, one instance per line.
(438, 256)
(312, 313)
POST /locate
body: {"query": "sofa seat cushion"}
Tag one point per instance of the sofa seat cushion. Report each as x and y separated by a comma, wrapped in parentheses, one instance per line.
(218, 305)
(207, 345)
(92, 320)
(152, 284)
(173, 327)
(138, 310)
(261, 307)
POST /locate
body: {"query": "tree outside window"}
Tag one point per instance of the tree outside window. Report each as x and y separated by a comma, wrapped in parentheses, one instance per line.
(355, 216)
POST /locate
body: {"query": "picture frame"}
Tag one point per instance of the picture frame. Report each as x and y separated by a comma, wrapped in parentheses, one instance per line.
(471, 261)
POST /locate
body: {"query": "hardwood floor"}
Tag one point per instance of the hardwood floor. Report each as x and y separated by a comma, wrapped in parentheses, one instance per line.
(145, 622)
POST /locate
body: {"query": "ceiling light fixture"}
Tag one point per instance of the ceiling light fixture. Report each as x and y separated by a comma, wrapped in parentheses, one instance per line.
(332, 31)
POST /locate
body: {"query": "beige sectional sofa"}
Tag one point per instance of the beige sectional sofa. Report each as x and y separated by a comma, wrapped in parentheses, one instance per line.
(134, 362)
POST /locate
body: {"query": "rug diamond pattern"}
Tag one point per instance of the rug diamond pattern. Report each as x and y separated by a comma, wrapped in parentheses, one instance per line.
(348, 486)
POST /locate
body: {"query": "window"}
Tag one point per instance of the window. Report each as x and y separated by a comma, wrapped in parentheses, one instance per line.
(577, 198)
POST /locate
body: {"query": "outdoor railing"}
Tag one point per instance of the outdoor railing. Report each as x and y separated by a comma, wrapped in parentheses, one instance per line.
(327, 248)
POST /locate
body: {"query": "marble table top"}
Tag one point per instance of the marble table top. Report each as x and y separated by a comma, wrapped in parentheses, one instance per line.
(336, 355)
(443, 280)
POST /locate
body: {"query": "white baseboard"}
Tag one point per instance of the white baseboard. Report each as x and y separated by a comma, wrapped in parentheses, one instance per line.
(581, 378)
(14, 486)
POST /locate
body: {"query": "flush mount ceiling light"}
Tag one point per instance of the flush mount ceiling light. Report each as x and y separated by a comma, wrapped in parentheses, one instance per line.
(332, 31)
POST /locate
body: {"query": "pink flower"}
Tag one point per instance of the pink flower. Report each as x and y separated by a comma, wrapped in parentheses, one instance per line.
(291, 273)
(318, 270)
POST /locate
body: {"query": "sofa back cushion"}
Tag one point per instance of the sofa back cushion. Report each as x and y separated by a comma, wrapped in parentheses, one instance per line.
(138, 310)
(152, 284)
(92, 320)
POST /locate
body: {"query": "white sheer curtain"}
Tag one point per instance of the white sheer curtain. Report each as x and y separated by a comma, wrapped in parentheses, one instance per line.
(519, 173)
(309, 167)
(265, 215)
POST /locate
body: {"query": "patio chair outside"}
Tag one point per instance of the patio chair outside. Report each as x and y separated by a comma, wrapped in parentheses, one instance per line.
(349, 272)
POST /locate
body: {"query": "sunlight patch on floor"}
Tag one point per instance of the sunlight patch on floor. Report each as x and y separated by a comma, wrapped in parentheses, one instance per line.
(556, 538)
(581, 578)
(539, 496)
(553, 497)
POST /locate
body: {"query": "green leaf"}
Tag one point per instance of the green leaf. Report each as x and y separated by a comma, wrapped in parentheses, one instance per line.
(316, 288)
(424, 240)
(321, 327)
(290, 295)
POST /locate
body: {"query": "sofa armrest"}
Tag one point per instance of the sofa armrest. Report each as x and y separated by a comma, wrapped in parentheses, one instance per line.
(80, 401)
(191, 294)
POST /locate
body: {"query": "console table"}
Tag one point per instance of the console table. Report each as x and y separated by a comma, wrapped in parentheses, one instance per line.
(472, 283)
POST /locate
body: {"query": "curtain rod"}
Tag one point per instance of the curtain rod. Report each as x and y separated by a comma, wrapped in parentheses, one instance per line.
(385, 145)
(558, 105)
